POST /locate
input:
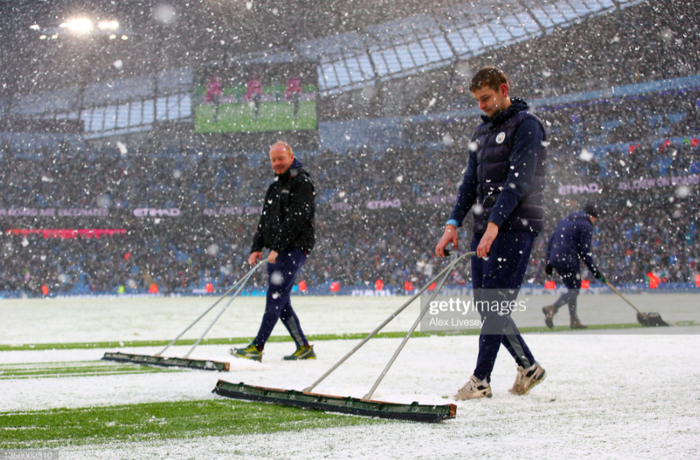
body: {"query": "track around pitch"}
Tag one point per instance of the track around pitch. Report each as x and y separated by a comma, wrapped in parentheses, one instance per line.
(312, 338)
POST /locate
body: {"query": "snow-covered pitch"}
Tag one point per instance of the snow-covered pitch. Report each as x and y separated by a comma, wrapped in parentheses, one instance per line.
(608, 394)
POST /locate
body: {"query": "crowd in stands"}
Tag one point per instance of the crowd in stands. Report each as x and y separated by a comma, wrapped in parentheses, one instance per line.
(606, 141)
(640, 230)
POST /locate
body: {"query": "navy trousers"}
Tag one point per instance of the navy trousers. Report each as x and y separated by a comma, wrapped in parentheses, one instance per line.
(498, 279)
(571, 277)
(281, 276)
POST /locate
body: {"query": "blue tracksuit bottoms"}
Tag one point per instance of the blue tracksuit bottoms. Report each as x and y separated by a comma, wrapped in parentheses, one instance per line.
(281, 276)
(496, 281)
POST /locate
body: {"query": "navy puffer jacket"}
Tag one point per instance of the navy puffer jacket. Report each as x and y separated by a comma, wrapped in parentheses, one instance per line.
(505, 177)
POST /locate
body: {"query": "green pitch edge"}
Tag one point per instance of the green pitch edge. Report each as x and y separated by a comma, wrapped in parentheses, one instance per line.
(159, 421)
(312, 338)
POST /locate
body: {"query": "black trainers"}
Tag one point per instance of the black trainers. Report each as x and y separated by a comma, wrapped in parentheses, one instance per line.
(303, 352)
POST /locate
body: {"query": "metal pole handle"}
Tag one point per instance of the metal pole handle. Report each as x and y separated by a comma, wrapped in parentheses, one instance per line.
(450, 268)
(240, 288)
(623, 298)
(235, 285)
(376, 331)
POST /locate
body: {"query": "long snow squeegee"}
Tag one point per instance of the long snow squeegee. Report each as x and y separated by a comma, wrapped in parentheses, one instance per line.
(366, 405)
(328, 403)
(203, 364)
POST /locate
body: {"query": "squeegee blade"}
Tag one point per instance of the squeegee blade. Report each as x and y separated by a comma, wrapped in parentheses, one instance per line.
(329, 403)
(164, 361)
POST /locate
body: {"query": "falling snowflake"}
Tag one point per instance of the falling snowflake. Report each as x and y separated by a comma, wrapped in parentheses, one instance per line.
(276, 278)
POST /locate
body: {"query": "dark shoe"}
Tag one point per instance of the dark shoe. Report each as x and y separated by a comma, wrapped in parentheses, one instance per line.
(249, 352)
(549, 313)
(303, 352)
(576, 324)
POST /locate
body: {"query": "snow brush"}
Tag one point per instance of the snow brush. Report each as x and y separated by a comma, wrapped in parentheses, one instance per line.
(645, 319)
(358, 406)
(203, 364)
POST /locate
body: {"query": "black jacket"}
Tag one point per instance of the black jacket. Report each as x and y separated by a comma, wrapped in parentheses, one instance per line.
(287, 219)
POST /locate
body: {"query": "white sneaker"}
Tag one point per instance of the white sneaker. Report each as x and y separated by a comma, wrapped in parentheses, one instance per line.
(527, 379)
(474, 389)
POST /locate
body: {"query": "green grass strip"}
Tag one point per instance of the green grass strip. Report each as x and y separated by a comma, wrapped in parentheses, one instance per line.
(74, 369)
(159, 421)
(284, 338)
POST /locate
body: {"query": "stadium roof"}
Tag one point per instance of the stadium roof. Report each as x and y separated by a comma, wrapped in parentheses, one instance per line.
(355, 42)
(166, 34)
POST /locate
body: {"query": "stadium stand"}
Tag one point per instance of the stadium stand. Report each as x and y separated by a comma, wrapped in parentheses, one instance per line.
(131, 202)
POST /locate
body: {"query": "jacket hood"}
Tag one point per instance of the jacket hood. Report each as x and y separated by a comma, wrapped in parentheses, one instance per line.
(293, 170)
(516, 105)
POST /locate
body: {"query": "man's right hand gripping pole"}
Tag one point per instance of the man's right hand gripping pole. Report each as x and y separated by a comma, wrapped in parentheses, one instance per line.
(450, 236)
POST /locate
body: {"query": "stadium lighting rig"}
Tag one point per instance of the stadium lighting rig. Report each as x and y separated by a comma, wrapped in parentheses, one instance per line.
(84, 27)
(78, 26)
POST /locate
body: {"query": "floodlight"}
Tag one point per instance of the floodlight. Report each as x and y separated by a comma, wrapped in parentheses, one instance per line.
(108, 25)
(35, 27)
(124, 37)
(80, 25)
(42, 37)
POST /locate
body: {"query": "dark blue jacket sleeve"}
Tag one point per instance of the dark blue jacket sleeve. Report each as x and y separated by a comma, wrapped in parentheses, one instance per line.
(467, 192)
(523, 164)
(584, 249)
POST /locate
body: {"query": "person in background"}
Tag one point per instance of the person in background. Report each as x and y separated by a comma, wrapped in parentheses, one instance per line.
(570, 243)
(293, 93)
(215, 90)
(254, 94)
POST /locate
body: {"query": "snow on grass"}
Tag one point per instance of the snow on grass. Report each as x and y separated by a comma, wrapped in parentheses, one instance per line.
(607, 394)
(157, 421)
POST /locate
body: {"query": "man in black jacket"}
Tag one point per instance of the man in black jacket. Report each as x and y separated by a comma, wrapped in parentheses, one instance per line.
(286, 228)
